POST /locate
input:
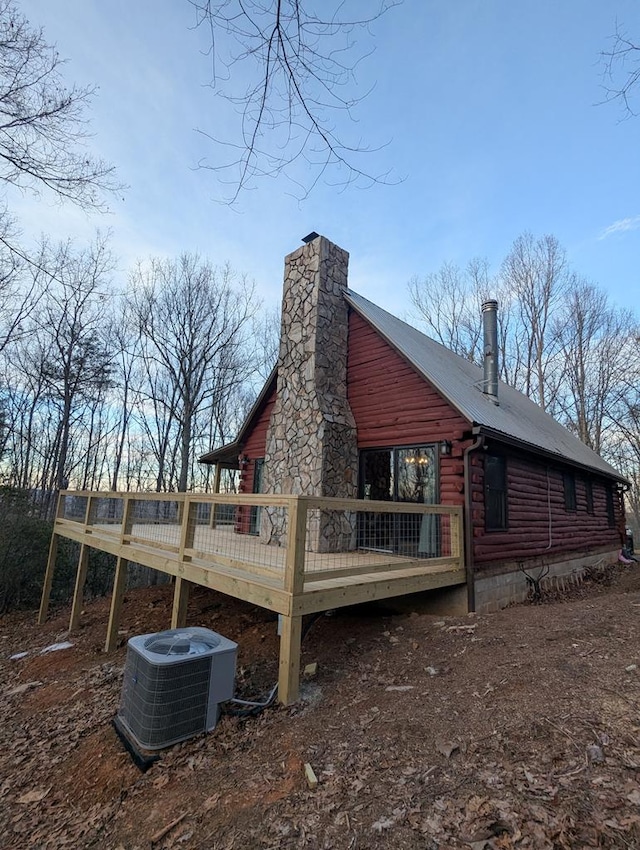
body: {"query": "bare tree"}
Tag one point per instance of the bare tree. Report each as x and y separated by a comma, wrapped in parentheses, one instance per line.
(596, 341)
(156, 413)
(266, 341)
(56, 377)
(626, 437)
(68, 348)
(193, 321)
(561, 342)
(25, 433)
(303, 79)
(43, 150)
(42, 125)
(124, 341)
(448, 303)
(536, 275)
(621, 71)
(16, 301)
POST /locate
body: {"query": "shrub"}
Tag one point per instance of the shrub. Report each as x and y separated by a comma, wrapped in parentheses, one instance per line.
(24, 548)
(24, 544)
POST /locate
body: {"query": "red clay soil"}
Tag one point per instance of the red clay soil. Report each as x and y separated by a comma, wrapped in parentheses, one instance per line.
(513, 730)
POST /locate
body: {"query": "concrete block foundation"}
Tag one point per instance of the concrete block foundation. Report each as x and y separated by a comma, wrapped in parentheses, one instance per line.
(494, 592)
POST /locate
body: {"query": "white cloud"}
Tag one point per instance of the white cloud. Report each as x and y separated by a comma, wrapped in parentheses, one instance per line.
(620, 226)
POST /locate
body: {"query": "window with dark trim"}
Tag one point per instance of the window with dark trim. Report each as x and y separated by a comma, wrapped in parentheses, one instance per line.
(588, 494)
(569, 481)
(611, 513)
(495, 493)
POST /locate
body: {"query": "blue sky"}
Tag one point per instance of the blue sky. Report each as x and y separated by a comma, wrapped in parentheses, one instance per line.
(489, 109)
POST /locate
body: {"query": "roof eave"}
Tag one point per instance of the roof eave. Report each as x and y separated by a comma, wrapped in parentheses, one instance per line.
(224, 456)
(500, 437)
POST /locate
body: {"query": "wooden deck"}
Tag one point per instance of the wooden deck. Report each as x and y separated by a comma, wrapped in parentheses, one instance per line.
(182, 535)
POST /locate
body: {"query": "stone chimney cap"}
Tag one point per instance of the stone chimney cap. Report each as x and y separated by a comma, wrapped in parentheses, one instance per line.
(310, 237)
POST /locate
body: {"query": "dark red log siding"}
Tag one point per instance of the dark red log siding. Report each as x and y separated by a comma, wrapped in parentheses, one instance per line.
(394, 406)
(253, 448)
(256, 443)
(536, 490)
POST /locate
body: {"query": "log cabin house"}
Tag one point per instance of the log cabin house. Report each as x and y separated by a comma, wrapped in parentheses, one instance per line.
(362, 405)
(375, 463)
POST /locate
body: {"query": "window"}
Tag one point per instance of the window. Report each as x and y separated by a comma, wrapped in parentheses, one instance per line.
(588, 492)
(611, 513)
(400, 474)
(569, 481)
(495, 493)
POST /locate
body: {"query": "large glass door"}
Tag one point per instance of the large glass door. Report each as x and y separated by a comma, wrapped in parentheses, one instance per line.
(417, 535)
(408, 474)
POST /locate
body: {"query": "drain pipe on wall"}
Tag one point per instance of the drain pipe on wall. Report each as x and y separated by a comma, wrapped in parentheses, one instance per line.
(468, 522)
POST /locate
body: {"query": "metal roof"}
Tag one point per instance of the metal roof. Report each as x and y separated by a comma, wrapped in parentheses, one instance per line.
(515, 418)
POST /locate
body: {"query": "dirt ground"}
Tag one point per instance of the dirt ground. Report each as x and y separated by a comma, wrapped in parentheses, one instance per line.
(512, 730)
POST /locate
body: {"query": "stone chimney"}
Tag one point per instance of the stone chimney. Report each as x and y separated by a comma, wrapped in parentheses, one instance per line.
(311, 444)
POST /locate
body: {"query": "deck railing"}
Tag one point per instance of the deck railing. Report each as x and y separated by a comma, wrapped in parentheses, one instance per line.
(291, 540)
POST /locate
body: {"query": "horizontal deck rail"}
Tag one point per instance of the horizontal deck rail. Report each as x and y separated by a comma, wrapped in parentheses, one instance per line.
(291, 554)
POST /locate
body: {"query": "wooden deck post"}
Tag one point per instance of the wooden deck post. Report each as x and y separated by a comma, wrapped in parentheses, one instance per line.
(90, 512)
(180, 603)
(291, 637)
(457, 549)
(51, 565)
(181, 589)
(81, 577)
(187, 529)
(127, 518)
(48, 579)
(117, 597)
(296, 540)
(216, 489)
(289, 670)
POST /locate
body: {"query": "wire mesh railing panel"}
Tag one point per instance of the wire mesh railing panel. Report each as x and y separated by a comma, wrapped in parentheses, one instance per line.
(223, 515)
(334, 531)
(156, 520)
(237, 534)
(338, 540)
(74, 507)
(203, 511)
(107, 511)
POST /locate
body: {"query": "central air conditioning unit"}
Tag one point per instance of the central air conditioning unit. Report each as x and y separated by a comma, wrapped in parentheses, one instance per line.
(174, 682)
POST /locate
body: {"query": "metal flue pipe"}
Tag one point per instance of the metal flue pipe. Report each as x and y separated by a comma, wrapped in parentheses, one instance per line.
(490, 328)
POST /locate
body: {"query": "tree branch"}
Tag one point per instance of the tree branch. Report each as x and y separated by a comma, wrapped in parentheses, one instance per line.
(302, 63)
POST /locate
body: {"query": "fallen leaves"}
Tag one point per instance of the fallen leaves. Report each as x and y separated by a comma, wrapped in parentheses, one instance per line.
(447, 748)
(35, 796)
(407, 757)
(23, 688)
